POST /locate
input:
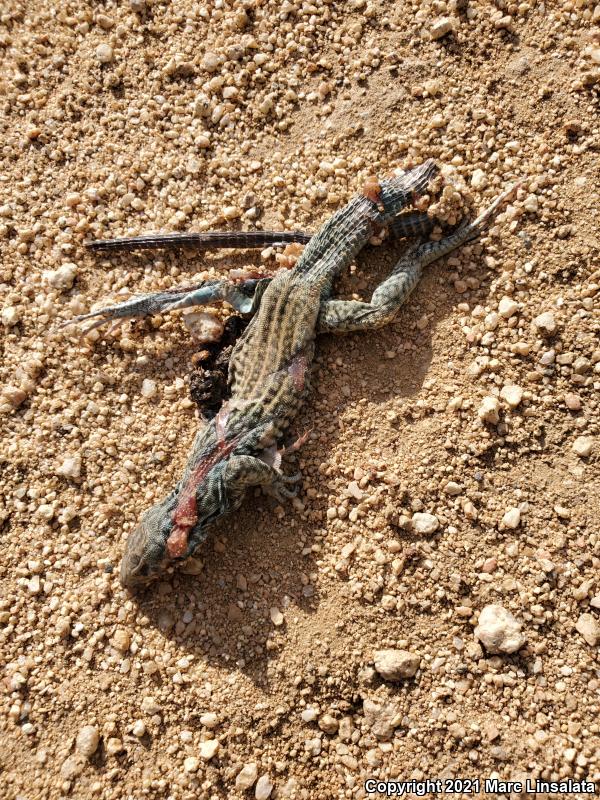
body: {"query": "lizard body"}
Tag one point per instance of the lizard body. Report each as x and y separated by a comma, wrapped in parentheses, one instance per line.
(269, 371)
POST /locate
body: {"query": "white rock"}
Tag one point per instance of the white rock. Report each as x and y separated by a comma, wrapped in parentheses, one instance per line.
(545, 323)
(583, 446)
(148, 389)
(395, 665)
(70, 467)
(113, 746)
(61, 278)
(246, 777)
(425, 523)
(231, 212)
(309, 714)
(191, 764)
(150, 705)
(209, 749)
(440, 28)
(276, 616)
(589, 627)
(203, 326)
(491, 321)
(104, 53)
(512, 395)
(209, 720)
(489, 410)
(72, 767)
(10, 316)
(211, 61)
(328, 724)
(87, 740)
(498, 631)
(479, 179)
(531, 203)
(264, 787)
(511, 518)
(507, 307)
(453, 488)
(138, 728)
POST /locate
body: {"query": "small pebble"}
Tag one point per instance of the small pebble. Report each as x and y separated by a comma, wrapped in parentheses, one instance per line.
(512, 395)
(440, 28)
(70, 467)
(121, 640)
(10, 316)
(104, 53)
(328, 724)
(395, 665)
(276, 616)
(209, 749)
(511, 518)
(87, 740)
(489, 410)
(589, 627)
(246, 777)
(263, 788)
(148, 389)
(424, 524)
(209, 720)
(309, 714)
(479, 179)
(61, 278)
(203, 326)
(507, 307)
(114, 746)
(498, 630)
(546, 324)
(191, 764)
(583, 446)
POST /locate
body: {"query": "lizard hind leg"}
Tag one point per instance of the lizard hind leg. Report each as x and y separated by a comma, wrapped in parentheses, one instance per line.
(339, 316)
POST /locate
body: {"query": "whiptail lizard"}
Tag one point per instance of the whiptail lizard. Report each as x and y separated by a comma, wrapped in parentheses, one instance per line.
(269, 371)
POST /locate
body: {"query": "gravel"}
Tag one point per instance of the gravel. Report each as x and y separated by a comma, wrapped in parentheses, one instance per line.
(246, 777)
(396, 665)
(589, 627)
(498, 630)
(209, 749)
(87, 740)
(131, 117)
(425, 524)
(263, 788)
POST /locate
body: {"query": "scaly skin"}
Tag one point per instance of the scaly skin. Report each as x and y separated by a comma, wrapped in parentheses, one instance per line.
(269, 376)
(270, 366)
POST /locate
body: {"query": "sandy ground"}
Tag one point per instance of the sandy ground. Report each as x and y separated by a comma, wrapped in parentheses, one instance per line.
(477, 409)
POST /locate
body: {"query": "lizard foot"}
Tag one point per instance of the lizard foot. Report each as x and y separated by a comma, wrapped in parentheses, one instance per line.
(280, 492)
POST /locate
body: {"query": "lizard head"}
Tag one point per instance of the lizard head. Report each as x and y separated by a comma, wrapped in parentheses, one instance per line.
(145, 551)
(170, 531)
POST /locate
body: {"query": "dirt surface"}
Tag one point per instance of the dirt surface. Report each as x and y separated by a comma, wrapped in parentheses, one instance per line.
(453, 459)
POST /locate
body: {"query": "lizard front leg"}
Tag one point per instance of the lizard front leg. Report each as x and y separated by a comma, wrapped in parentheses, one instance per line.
(245, 471)
(241, 295)
(340, 316)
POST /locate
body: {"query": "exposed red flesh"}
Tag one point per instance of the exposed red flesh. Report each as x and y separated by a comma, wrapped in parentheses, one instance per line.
(297, 371)
(372, 189)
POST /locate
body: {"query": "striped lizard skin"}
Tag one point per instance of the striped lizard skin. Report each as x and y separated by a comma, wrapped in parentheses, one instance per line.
(411, 224)
(269, 370)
